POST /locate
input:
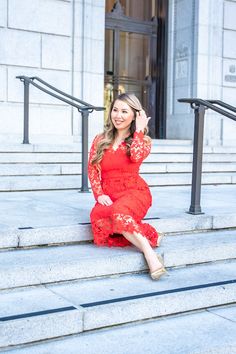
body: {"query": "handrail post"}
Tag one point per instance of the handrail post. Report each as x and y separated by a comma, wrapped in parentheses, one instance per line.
(85, 115)
(26, 112)
(199, 113)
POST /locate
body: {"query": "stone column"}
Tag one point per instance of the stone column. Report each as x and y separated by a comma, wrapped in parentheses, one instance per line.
(181, 67)
(89, 61)
(229, 69)
(201, 64)
(208, 72)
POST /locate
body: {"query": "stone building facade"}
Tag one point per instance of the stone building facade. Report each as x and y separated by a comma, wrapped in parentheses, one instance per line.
(202, 63)
(63, 42)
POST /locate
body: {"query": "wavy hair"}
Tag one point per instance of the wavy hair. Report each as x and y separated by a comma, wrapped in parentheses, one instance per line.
(109, 134)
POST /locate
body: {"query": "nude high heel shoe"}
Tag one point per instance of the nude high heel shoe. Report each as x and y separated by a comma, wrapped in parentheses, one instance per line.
(160, 271)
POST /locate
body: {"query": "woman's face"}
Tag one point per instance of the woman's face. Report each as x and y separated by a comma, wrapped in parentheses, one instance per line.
(122, 115)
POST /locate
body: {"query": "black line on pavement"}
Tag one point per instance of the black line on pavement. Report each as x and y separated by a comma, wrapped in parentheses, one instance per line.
(38, 313)
(158, 293)
(152, 218)
(25, 228)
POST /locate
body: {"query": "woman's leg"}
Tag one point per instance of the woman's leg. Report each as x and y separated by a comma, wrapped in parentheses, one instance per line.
(144, 246)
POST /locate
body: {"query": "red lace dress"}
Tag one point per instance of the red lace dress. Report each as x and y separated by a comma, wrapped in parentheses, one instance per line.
(118, 177)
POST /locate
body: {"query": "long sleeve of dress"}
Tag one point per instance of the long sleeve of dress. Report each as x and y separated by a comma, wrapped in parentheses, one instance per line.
(94, 173)
(139, 148)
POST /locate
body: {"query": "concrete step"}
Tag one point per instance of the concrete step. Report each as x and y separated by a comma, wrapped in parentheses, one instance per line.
(40, 313)
(29, 183)
(39, 169)
(216, 157)
(56, 264)
(49, 148)
(34, 236)
(41, 157)
(55, 149)
(215, 328)
(76, 147)
(172, 142)
(58, 182)
(181, 167)
(180, 179)
(169, 148)
(75, 157)
(157, 146)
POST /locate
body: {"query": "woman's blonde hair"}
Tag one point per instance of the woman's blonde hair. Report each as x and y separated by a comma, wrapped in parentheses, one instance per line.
(109, 134)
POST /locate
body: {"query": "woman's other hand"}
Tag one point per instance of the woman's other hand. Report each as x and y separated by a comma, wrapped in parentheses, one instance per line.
(141, 121)
(105, 200)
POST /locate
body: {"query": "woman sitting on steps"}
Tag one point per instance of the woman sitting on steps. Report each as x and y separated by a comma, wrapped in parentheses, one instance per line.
(122, 196)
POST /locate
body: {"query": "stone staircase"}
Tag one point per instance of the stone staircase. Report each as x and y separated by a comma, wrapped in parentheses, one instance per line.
(61, 294)
(57, 167)
(57, 288)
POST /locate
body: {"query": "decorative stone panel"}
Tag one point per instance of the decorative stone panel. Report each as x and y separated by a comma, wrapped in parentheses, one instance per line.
(19, 48)
(229, 44)
(229, 15)
(47, 16)
(3, 83)
(229, 73)
(56, 52)
(3, 13)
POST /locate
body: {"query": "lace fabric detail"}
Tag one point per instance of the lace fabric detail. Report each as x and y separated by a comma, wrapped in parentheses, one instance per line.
(139, 149)
(103, 236)
(123, 223)
(94, 173)
(109, 233)
(123, 183)
(121, 147)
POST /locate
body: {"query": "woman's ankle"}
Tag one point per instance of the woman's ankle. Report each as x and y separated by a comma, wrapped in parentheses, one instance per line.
(153, 262)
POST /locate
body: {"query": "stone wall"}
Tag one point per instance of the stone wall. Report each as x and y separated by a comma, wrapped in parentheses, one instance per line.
(46, 38)
(201, 60)
(181, 63)
(229, 68)
(62, 41)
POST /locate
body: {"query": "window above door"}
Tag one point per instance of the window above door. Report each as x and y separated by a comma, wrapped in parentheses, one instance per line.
(143, 10)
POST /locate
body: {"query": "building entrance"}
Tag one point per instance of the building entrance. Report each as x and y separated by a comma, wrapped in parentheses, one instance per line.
(132, 52)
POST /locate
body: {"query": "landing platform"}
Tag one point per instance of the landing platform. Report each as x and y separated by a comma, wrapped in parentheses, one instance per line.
(69, 207)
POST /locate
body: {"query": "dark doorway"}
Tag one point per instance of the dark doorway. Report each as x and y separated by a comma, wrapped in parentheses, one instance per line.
(135, 55)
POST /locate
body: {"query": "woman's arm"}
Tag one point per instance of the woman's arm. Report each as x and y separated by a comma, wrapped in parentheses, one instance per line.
(95, 179)
(93, 172)
(139, 148)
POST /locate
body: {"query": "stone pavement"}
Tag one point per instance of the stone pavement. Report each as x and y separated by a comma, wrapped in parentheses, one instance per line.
(211, 331)
(70, 207)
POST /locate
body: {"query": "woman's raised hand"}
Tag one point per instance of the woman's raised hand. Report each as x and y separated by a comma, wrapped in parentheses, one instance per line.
(141, 121)
(105, 200)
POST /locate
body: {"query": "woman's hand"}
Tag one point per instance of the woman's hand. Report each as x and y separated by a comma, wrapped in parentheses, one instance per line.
(141, 121)
(105, 200)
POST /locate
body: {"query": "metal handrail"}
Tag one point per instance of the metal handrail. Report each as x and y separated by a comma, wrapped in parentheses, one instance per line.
(200, 107)
(87, 105)
(223, 104)
(83, 107)
(208, 104)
